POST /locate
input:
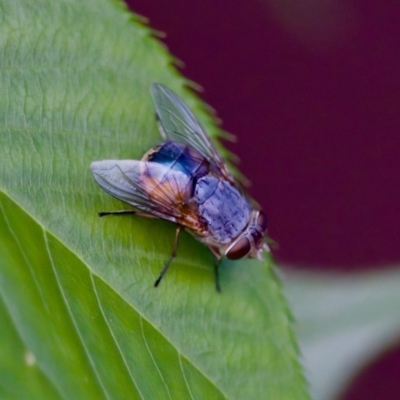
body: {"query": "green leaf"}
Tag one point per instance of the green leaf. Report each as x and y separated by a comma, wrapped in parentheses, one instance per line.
(78, 309)
(344, 321)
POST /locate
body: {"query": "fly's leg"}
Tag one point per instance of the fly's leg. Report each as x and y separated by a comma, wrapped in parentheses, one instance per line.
(122, 212)
(217, 283)
(215, 251)
(174, 248)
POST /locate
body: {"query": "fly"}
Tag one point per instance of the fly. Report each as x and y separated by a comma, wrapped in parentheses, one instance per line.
(185, 180)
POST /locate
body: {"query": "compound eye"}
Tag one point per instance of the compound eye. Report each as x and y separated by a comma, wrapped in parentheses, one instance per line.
(262, 221)
(239, 249)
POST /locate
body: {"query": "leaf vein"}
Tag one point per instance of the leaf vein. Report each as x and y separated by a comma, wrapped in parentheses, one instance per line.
(36, 284)
(80, 336)
(39, 366)
(152, 357)
(21, 249)
(184, 375)
(113, 336)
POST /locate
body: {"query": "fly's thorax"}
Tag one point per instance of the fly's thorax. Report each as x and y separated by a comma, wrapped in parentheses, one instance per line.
(224, 210)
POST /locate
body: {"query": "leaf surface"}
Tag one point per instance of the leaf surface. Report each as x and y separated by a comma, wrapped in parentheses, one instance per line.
(81, 314)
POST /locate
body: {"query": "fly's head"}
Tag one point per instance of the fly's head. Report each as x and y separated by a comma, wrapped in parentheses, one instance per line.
(250, 242)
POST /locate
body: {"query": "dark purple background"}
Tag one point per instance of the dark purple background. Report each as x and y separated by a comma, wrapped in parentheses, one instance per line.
(312, 91)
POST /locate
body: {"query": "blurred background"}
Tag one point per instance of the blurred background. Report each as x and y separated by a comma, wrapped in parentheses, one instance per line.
(311, 90)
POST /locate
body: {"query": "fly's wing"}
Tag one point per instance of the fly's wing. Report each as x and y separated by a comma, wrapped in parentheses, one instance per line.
(137, 183)
(178, 123)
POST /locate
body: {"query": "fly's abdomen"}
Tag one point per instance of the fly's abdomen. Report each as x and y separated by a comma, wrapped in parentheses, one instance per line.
(223, 207)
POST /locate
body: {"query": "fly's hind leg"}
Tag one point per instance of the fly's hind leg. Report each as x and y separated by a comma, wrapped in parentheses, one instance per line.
(174, 249)
(123, 212)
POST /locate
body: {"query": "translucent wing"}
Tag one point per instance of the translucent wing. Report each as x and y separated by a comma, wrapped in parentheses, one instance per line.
(178, 123)
(138, 183)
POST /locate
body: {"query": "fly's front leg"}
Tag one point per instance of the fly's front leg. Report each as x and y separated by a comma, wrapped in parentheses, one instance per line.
(174, 249)
(217, 283)
(215, 251)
